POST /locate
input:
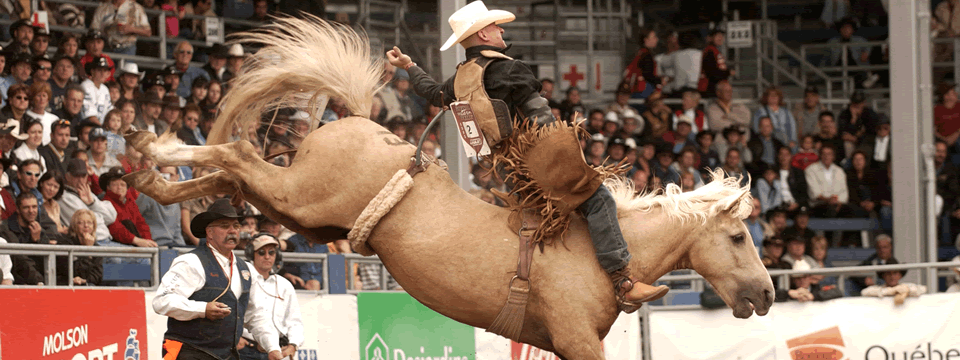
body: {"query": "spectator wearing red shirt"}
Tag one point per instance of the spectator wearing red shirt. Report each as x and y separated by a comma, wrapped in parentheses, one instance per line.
(946, 116)
(806, 154)
(641, 74)
(713, 66)
(93, 43)
(130, 227)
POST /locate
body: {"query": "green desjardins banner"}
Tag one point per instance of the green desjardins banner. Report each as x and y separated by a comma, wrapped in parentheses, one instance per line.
(395, 326)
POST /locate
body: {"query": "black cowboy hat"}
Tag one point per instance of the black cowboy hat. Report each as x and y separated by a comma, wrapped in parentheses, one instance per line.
(220, 209)
(98, 62)
(19, 58)
(172, 100)
(21, 23)
(892, 261)
(114, 173)
(94, 34)
(154, 80)
(170, 70)
(151, 97)
(220, 51)
(773, 240)
(40, 31)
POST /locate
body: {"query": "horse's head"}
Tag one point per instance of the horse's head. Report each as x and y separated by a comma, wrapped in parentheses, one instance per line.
(703, 231)
(721, 250)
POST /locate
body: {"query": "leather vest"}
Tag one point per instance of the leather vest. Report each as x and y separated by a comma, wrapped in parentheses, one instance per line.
(492, 115)
(218, 338)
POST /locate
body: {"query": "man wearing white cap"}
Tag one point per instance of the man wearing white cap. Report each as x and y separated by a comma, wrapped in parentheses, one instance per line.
(498, 87)
(275, 293)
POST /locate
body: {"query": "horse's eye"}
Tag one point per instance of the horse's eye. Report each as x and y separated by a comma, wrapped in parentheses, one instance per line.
(738, 239)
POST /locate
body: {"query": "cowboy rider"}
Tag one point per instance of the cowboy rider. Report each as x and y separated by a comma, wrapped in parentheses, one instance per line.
(502, 78)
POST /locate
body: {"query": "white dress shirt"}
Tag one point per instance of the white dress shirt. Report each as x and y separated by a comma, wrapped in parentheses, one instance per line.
(186, 276)
(277, 295)
(785, 187)
(6, 264)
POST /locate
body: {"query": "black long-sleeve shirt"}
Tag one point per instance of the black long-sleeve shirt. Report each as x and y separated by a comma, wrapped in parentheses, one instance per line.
(509, 80)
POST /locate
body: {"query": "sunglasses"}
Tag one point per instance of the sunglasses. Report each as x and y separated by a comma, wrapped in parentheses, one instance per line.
(263, 252)
(43, 68)
(21, 98)
(30, 173)
(62, 122)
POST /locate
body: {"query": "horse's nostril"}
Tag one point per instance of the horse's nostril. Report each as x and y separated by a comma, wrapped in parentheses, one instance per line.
(768, 295)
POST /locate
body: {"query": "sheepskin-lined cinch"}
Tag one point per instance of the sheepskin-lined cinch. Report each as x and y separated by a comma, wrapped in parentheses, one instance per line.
(376, 209)
(547, 171)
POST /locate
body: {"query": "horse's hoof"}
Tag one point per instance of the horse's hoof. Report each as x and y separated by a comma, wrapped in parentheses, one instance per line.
(140, 139)
(143, 180)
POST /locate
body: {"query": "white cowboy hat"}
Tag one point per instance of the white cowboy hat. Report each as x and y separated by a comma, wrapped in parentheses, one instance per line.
(471, 18)
(129, 68)
(12, 128)
(236, 50)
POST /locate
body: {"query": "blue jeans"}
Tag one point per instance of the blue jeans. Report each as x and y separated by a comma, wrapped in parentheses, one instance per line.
(129, 50)
(600, 211)
(251, 353)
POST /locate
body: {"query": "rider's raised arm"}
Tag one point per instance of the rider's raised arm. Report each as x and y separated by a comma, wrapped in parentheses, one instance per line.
(430, 89)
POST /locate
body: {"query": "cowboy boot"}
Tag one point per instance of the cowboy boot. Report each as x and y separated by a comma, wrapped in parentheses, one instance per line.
(631, 294)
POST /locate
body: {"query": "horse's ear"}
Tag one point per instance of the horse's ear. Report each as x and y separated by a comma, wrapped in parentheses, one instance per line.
(734, 205)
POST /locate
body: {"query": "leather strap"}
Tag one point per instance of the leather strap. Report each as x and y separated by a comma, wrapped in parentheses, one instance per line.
(528, 224)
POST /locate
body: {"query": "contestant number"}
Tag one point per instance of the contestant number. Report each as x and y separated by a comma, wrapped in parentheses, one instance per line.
(470, 129)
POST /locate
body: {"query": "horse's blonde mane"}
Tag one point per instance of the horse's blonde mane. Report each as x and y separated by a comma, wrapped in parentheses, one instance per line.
(303, 62)
(723, 193)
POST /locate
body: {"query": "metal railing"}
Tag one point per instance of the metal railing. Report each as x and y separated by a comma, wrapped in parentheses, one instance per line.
(357, 259)
(51, 252)
(160, 30)
(842, 271)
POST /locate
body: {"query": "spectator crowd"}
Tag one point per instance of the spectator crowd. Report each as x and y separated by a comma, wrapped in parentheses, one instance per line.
(672, 120)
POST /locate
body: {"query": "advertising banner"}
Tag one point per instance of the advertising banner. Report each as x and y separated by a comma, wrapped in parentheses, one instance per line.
(395, 326)
(621, 343)
(72, 324)
(853, 328)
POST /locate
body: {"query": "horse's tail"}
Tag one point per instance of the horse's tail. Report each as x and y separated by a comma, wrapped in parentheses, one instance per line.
(302, 64)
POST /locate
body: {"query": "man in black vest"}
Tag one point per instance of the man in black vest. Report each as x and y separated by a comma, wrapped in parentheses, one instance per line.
(494, 83)
(206, 294)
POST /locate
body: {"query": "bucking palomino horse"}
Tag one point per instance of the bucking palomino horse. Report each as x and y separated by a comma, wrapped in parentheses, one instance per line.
(449, 250)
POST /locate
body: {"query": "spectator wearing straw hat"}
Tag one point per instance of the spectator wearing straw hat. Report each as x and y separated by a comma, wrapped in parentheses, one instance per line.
(207, 294)
(97, 102)
(22, 31)
(94, 42)
(122, 21)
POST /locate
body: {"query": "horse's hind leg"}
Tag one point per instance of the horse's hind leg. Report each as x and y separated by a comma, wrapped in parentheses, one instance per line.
(270, 188)
(150, 183)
